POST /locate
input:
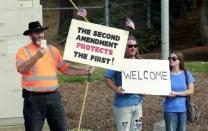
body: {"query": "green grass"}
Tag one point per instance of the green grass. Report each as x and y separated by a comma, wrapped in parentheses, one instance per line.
(201, 67)
(97, 76)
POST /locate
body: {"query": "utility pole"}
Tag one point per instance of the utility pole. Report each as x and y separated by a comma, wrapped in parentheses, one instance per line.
(106, 12)
(164, 29)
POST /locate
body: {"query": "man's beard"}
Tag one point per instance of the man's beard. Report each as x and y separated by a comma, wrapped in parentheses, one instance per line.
(37, 40)
(130, 55)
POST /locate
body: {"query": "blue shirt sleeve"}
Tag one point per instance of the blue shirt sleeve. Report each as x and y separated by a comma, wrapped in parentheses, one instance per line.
(190, 78)
(109, 73)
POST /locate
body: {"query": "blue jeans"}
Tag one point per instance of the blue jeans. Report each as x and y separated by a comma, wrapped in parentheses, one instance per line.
(175, 121)
(129, 118)
(38, 107)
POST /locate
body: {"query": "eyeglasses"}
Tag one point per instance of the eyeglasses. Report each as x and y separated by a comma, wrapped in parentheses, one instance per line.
(131, 46)
(172, 58)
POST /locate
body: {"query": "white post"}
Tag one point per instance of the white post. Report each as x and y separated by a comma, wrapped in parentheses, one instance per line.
(106, 12)
(164, 29)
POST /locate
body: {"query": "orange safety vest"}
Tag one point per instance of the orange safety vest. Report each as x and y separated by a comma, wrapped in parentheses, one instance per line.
(42, 76)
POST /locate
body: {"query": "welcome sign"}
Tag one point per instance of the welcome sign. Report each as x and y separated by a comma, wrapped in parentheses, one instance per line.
(146, 77)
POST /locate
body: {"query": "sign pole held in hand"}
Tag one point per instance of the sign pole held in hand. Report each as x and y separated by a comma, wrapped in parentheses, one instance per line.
(84, 101)
(83, 104)
(95, 45)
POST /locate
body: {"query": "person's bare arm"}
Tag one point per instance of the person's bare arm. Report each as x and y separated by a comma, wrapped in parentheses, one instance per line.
(188, 92)
(72, 71)
(113, 87)
(26, 66)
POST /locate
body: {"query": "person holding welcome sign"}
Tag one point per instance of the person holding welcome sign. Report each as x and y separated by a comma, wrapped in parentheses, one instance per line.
(127, 107)
(175, 108)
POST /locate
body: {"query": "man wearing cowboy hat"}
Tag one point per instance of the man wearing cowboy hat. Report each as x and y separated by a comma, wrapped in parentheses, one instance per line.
(38, 65)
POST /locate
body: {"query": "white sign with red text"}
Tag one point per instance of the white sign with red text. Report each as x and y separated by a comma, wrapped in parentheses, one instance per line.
(96, 45)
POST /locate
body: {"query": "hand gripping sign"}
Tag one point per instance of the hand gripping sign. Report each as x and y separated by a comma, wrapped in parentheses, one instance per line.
(95, 45)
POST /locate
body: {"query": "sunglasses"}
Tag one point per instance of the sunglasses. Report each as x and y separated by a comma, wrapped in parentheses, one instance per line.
(172, 58)
(131, 46)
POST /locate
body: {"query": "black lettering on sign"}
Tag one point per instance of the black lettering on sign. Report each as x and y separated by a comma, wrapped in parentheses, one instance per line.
(106, 35)
(127, 75)
(96, 41)
(80, 55)
(84, 31)
(100, 59)
(145, 75)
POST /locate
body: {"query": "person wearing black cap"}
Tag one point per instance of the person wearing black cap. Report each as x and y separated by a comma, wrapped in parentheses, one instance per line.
(38, 65)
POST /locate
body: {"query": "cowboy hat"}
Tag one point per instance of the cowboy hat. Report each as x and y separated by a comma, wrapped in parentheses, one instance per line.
(35, 27)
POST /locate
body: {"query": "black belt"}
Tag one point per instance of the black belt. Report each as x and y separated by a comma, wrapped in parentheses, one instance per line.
(24, 91)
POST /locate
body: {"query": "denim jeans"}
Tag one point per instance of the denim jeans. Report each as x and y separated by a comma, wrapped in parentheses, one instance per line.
(129, 118)
(175, 121)
(37, 108)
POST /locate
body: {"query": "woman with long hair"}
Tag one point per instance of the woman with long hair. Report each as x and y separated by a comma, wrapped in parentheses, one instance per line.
(175, 108)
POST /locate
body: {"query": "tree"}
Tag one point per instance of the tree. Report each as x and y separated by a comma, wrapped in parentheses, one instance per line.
(203, 21)
(64, 20)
